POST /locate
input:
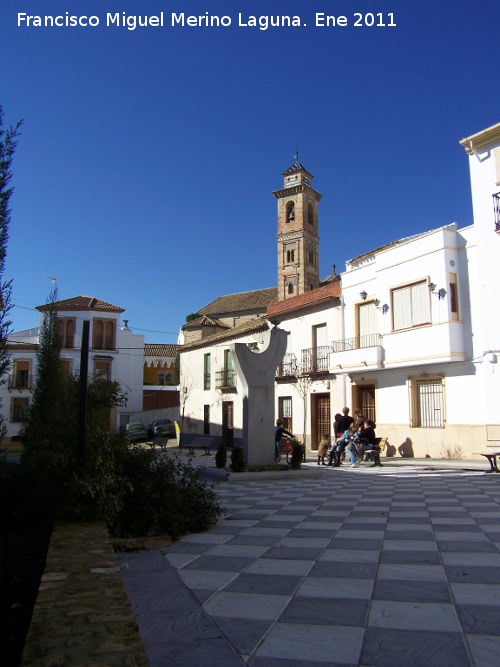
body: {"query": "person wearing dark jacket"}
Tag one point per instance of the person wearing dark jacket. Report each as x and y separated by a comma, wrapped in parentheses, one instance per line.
(279, 431)
(345, 421)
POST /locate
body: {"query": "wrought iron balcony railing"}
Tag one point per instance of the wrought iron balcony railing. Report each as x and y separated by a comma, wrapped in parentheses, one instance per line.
(20, 380)
(288, 367)
(226, 379)
(369, 340)
(315, 359)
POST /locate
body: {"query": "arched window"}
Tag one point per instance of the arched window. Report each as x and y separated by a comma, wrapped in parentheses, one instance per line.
(290, 288)
(310, 213)
(70, 334)
(60, 331)
(290, 211)
(109, 340)
(98, 335)
(290, 253)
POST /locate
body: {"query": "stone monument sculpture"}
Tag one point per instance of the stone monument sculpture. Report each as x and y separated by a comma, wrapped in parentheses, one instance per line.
(256, 371)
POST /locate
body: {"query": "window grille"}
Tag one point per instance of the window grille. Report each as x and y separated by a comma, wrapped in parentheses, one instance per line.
(285, 412)
(427, 402)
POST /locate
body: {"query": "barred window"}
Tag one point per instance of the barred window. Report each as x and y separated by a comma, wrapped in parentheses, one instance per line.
(285, 412)
(427, 402)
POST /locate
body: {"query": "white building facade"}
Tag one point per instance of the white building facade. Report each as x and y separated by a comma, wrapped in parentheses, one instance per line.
(420, 340)
(115, 353)
(412, 339)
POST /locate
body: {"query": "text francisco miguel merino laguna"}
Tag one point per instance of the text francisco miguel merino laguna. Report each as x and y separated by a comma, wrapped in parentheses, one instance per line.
(131, 22)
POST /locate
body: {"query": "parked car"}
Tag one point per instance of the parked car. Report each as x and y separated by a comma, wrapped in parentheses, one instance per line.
(136, 432)
(161, 428)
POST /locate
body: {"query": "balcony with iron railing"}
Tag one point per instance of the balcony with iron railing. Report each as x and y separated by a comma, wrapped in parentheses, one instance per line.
(357, 353)
(226, 379)
(316, 359)
(20, 380)
(368, 340)
(288, 367)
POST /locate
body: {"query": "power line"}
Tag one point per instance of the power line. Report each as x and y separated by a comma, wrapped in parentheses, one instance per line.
(170, 333)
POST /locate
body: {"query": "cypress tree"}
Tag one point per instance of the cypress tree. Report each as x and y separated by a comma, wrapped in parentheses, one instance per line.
(8, 142)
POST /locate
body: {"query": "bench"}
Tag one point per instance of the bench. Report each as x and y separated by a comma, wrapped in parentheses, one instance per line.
(162, 441)
(492, 458)
(200, 442)
(377, 449)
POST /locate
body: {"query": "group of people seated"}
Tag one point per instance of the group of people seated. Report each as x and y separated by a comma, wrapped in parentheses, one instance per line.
(354, 436)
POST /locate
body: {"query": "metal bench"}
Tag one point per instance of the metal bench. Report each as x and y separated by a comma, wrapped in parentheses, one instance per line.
(492, 458)
(200, 442)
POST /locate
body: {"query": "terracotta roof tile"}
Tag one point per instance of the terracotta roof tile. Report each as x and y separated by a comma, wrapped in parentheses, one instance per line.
(160, 350)
(242, 301)
(259, 324)
(204, 321)
(83, 303)
(327, 292)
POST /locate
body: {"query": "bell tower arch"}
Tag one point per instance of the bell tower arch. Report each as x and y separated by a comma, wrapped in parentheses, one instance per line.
(298, 240)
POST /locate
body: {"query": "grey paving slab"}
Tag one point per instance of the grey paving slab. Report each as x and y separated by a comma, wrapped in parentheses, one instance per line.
(340, 587)
(258, 606)
(412, 591)
(413, 572)
(244, 634)
(269, 584)
(411, 648)
(195, 652)
(350, 556)
(480, 619)
(432, 616)
(308, 645)
(326, 611)
(339, 569)
(485, 650)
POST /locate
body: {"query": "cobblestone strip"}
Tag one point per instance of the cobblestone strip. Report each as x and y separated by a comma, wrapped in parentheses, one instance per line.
(82, 615)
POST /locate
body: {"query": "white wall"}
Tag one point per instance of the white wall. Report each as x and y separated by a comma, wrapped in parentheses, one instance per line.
(127, 365)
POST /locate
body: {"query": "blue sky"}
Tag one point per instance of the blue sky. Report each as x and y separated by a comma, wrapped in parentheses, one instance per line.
(147, 159)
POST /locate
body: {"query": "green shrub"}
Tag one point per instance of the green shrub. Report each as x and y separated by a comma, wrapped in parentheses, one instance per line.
(238, 463)
(221, 456)
(161, 495)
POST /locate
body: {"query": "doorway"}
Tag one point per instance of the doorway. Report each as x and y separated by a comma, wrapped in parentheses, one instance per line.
(364, 396)
(227, 423)
(320, 418)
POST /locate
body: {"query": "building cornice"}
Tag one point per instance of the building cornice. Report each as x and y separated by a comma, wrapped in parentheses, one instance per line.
(481, 140)
(297, 189)
(292, 236)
